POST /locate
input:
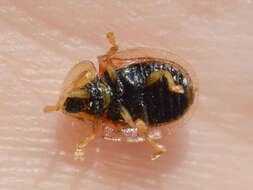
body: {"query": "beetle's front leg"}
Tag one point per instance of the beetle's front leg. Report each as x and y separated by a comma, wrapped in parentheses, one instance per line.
(79, 154)
(79, 93)
(81, 74)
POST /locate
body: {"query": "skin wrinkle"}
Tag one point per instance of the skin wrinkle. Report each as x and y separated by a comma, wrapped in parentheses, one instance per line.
(63, 30)
(40, 41)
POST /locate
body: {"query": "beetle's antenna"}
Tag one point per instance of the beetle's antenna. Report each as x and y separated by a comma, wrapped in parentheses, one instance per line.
(57, 106)
(49, 109)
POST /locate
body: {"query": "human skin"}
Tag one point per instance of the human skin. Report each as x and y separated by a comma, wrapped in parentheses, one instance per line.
(41, 40)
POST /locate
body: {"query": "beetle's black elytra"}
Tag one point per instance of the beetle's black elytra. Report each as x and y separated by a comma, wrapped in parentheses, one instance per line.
(154, 104)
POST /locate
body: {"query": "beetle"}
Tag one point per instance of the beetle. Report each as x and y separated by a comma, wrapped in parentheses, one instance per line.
(136, 91)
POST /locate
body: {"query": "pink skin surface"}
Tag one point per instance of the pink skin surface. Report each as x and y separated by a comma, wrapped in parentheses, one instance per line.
(41, 40)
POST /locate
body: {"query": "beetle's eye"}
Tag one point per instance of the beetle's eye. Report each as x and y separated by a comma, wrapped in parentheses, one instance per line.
(75, 105)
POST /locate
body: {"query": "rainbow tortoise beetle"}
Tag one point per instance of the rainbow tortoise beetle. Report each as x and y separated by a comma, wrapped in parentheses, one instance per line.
(140, 89)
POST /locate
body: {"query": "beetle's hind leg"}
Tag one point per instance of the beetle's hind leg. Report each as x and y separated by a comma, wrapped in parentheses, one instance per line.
(79, 154)
(155, 76)
(143, 128)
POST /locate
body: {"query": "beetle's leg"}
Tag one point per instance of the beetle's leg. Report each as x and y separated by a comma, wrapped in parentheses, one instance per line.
(146, 121)
(80, 94)
(84, 78)
(75, 90)
(79, 155)
(106, 94)
(111, 71)
(74, 94)
(48, 109)
(142, 127)
(155, 76)
(57, 106)
(111, 38)
(126, 116)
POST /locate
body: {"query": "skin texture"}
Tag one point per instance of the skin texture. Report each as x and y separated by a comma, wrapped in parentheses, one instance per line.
(41, 40)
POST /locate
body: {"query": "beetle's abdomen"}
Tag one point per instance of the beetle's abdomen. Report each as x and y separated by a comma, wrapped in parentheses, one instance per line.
(155, 103)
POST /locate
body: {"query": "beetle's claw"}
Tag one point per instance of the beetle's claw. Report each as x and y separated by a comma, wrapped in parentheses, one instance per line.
(156, 155)
(79, 154)
(178, 89)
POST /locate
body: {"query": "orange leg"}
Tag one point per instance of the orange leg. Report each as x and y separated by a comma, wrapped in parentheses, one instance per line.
(111, 38)
(111, 71)
(143, 128)
(155, 76)
(59, 104)
(79, 155)
(72, 91)
(49, 109)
